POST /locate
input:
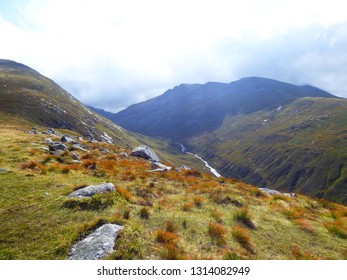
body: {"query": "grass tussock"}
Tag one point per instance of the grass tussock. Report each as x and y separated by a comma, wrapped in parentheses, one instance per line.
(242, 236)
(40, 222)
(337, 228)
(125, 193)
(187, 207)
(298, 254)
(217, 233)
(145, 213)
(243, 216)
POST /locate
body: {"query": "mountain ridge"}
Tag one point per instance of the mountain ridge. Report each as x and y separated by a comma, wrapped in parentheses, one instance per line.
(188, 110)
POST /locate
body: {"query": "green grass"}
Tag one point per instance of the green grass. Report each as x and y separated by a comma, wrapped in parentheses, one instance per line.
(40, 222)
(300, 149)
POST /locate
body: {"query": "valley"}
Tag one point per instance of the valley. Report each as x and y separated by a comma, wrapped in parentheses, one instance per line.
(69, 175)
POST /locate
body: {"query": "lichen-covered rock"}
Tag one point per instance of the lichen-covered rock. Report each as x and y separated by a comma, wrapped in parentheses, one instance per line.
(91, 190)
(146, 153)
(97, 244)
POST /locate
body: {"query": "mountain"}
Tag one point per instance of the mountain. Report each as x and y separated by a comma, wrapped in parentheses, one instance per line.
(27, 95)
(164, 215)
(298, 147)
(189, 110)
(264, 132)
(175, 213)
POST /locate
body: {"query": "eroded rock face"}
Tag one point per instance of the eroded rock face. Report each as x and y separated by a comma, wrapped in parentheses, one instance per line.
(97, 244)
(91, 190)
(146, 153)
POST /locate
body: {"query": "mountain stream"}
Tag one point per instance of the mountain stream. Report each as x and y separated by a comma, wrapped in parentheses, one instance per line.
(213, 171)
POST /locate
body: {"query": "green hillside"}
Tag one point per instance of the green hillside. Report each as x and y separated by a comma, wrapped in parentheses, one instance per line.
(299, 147)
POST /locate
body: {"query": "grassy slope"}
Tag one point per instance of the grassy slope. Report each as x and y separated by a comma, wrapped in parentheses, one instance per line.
(26, 94)
(300, 148)
(39, 222)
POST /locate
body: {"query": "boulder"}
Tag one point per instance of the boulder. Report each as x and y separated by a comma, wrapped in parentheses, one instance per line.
(57, 146)
(97, 244)
(158, 165)
(75, 156)
(184, 167)
(123, 154)
(79, 147)
(67, 139)
(91, 190)
(274, 192)
(3, 170)
(146, 153)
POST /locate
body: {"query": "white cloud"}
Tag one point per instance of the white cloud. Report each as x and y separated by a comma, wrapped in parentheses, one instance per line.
(111, 53)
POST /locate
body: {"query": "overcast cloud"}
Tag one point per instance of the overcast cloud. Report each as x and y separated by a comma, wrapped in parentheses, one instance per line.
(111, 54)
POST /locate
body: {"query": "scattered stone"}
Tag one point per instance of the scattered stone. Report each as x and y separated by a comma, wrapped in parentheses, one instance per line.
(97, 244)
(184, 167)
(56, 147)
(91, 190)
(158, 165)
(58, 153)
(3, 170)
(51, 131)
(274, 192)
(108, 139)
(66, 139)
(78, 147)
(75, 156)
(43, 148)
(146, 153)
(123, 154)
(80, 138)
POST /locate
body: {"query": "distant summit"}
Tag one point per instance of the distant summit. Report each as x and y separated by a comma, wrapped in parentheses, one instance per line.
(188, 110)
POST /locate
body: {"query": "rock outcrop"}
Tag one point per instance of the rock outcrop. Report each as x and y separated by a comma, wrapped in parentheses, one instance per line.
(97, 244)
(146, 153)
(89, 191)
(274, 192)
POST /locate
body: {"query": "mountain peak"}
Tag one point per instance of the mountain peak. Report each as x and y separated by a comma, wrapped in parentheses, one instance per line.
(191, 109)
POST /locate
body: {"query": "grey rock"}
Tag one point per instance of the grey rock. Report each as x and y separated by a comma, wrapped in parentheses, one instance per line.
(97, 244)
(78, 147)
(43, 148)
(274, 192)
(75, 156)
(67, 139)
(91, 190)
(123, 154)
(158, 165)
(58, 146)
(184, 167)
(3, 170)
(58, 153)
(146, 153)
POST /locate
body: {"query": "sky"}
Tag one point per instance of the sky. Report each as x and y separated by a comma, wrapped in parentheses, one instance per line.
(111, 54)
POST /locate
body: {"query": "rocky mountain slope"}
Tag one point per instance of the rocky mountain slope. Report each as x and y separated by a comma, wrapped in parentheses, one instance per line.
(189, 110)
(300, 147)
(265, 132)
(111, 205)
(27, 95)
(65, 195)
